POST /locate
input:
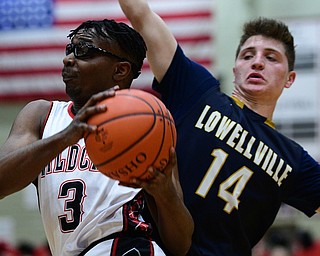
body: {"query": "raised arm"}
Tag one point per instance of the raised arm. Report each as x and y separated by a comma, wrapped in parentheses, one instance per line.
(161, 43)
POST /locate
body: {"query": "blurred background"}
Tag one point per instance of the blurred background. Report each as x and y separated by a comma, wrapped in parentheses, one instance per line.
(33, 34)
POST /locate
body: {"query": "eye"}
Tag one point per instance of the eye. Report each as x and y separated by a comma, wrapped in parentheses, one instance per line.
(247, 56)
(69, 49)
(271, 58)
(81, 50)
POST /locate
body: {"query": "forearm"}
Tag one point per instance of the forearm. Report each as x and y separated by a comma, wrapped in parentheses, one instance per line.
(134, 8)
(160, 42)
(142, 18)
(175, 224)
(20, 167)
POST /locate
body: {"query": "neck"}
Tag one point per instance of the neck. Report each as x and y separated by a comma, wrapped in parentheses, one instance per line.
(74, 109)
(262, 108)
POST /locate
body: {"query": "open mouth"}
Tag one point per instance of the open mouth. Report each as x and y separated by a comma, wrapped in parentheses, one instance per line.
(255, 77)
(67, 76)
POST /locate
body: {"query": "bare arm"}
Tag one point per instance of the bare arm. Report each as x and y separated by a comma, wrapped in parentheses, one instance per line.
(24, 154)
(165, 201)
(161, 43)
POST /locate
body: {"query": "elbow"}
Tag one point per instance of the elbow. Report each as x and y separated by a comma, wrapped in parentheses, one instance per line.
(183, 250)
(7, 190)
(188, 242)
(2, 195)
(185, 244)
(3, 192)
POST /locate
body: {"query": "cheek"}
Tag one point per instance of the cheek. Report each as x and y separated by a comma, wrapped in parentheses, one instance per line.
(280, 78)
(95, 73)
(237, 75)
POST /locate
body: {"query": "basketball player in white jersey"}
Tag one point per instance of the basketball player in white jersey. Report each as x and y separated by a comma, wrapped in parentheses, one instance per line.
(83, 211)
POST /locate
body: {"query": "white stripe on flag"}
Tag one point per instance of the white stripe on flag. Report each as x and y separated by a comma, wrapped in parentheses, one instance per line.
(31, 59)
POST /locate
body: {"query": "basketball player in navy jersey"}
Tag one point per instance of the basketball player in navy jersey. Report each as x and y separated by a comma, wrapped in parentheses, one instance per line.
(235, 168)
(83, 211)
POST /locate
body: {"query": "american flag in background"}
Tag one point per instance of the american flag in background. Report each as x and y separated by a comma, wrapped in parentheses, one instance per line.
(33, 35)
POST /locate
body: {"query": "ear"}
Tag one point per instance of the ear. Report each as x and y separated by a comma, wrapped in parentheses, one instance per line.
(121, 71)
(291, 79)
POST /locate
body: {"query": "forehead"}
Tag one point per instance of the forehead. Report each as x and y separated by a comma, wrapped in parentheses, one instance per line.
(86, 33)
(90, 35)
(263, 43)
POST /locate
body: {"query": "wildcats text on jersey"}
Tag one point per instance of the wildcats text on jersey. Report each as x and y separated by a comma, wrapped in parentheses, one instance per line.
(239, 139)
(71, 159)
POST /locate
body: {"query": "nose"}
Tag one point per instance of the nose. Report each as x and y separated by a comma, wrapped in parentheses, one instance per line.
(69, 60)
(258, 63)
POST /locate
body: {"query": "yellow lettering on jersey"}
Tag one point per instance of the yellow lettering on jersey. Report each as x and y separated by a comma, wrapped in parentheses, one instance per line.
(247, 152)
(239, 145)
(276, 174)
(236, 137)
(272, 163)
(224, 128)
(260, 153)
(199, 124)
(267, 159)
(284, 174)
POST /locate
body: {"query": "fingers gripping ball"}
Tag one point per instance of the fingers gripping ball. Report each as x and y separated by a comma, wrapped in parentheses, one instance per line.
(136, 131)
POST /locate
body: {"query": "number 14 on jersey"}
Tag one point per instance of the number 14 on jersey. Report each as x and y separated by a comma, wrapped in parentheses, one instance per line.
(237, 180)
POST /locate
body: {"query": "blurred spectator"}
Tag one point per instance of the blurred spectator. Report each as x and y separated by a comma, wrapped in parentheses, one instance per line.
(277, 243)
(305, 245)
(260, 249)
(42, 250)
(7, 250)
(280, 250)
(25, 249)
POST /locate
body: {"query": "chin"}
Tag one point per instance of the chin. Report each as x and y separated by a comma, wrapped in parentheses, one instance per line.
(73, 94)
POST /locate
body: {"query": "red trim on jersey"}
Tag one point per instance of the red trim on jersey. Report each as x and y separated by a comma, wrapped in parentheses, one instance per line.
(114, 247)
(70, 110)
(125, 217)
(45, 120)
(151, 247)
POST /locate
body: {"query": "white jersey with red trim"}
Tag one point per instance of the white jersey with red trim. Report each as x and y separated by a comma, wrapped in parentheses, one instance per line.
(78, 204)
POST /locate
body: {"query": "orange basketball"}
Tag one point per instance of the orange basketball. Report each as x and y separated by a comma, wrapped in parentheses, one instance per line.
(136, 131)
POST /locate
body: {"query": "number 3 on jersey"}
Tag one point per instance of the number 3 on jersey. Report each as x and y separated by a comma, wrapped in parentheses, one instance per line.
(237, 180)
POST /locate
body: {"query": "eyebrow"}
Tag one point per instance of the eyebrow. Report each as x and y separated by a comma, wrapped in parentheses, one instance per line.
(251, 48)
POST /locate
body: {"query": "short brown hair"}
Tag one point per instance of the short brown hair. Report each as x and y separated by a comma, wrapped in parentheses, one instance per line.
(271, 28)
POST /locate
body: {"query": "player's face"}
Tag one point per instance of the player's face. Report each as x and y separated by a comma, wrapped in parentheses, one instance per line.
(261, 69)
(86, 70)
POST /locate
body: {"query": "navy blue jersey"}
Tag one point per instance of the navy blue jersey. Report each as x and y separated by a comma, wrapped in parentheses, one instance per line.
(235, 168)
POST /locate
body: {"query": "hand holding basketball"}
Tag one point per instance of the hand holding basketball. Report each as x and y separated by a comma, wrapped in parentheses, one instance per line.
(136, 131)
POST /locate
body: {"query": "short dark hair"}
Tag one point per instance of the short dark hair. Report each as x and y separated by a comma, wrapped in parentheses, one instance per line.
(128, 40)
(271, 28)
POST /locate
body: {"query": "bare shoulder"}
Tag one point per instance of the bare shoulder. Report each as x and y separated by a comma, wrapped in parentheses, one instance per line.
(31, 118)
(27, 126)
(40, 105)
(35, 109)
